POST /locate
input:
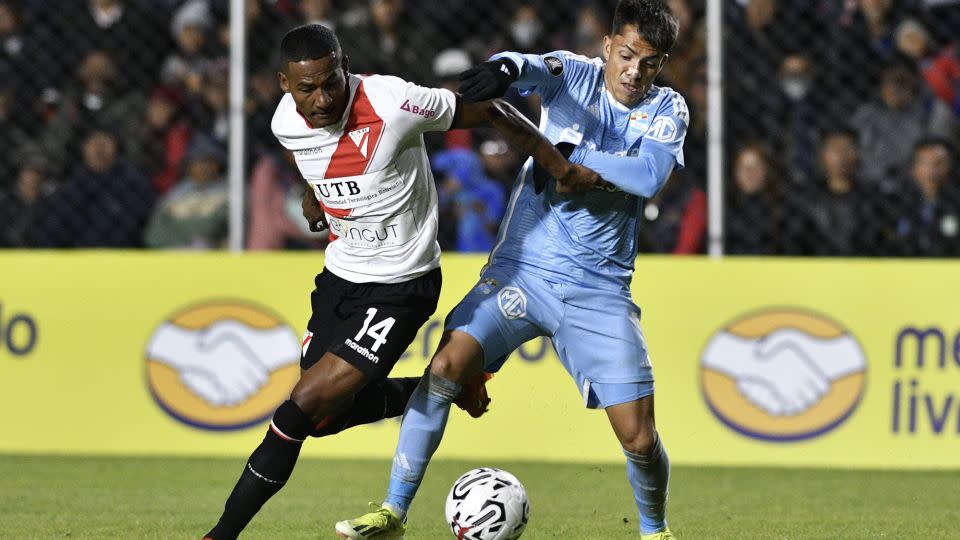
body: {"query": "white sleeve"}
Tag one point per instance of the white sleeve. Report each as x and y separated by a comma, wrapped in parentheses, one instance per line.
(410, 109)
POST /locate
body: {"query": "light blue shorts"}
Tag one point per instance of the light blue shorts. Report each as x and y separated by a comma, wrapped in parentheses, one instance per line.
(595, 332)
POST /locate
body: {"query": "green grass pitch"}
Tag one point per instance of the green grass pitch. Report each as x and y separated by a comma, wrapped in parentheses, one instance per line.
(102, 497)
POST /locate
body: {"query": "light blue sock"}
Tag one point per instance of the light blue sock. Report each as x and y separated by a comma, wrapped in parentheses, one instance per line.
(649, 475)
(420, 434)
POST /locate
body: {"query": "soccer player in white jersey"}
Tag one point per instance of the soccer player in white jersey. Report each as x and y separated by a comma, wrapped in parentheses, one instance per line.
(357, 141)
(563, 263)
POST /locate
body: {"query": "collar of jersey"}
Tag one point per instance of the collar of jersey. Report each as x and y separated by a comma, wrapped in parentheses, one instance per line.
(654, 89)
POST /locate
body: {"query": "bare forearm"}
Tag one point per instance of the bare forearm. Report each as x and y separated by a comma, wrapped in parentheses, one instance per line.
(526, 138)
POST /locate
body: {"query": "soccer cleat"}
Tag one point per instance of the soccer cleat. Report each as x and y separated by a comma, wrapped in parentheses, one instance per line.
(381, 523)
(662, 535)
(473, 398)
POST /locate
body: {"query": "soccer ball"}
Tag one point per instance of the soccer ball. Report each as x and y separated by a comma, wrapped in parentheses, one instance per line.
(487, 504)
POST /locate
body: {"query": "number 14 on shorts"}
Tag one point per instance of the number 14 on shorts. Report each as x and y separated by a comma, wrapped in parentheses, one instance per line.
(378, 331)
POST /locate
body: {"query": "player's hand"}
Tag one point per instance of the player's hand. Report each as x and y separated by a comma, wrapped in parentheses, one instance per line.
(488, 80)
(579, 179)
(312, 211)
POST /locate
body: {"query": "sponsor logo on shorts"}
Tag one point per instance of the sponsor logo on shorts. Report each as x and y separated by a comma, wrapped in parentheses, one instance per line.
(362, 351)
(783, 374)
(512, 302)
(222, 364)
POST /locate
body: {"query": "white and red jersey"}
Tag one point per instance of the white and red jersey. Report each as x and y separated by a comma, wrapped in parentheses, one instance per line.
(371, 174)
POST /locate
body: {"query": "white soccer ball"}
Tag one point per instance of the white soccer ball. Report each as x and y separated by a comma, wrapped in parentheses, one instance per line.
(487, 504)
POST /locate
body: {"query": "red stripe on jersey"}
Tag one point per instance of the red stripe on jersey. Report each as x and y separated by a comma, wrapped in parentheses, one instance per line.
(351, 158)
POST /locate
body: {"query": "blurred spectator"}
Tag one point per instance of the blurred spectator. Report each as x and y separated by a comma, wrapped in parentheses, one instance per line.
(501, 162)
(209, 109)
(97, 100)
(276, 191)
(157, 144)
(386, 43)
(12, 135)
(105, 203)
(190, 27)
(194, 215)
(19, 54)
(942, 73)
(833, 214)
(262, 99)
(526, 32)
(929, 208)
(476, 201)
(676, 217)
(889, 126)
(592, 24)
(318, 12)
(689, 47)
(799, 116)
(133, 31)
(447, 67)
(752, 216)
(19, 204)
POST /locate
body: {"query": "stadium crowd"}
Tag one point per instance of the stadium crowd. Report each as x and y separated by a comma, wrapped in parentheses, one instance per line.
(841, 120)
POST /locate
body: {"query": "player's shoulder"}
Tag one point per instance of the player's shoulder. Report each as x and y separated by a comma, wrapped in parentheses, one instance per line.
(384, 86)
(671, 103)
(286, 120)
(561, 60)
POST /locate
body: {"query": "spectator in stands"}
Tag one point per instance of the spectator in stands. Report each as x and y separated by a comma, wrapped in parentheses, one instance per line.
(190, 27)
(676, 217)
(134, 31)
(209, 109)
(19, 204)
(928, 222)
(156, 144)
(12, 134)
(752, 217)
(501, 162)
(105, 203)
(386, 42)
(940, 69)
(476, 201)
(318, 12)
(592, 25)
(276, 192)
(689, 47)
(20, 58)
(194, 215)
(889, 127)
(800, 113)
(526, 32)
(262, 98)
(833, 214)
(98, 100)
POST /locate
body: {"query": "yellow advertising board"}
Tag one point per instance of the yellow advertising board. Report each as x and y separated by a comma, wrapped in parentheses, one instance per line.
(851, 363)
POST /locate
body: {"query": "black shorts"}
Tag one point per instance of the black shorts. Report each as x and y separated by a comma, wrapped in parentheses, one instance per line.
(369, 325)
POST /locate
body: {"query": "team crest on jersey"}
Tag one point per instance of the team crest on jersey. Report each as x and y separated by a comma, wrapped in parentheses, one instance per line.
(639, 122)
(487, 286)
(512, 302)
(361, 137)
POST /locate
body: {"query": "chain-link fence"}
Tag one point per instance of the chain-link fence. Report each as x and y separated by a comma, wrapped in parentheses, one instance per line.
(839, 135)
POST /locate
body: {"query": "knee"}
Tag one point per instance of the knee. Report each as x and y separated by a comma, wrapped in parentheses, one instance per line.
(448, 366)
(642, 442)
(318, 398)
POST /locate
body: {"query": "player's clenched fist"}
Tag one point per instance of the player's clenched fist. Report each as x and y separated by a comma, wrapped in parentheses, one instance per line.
(312, 211)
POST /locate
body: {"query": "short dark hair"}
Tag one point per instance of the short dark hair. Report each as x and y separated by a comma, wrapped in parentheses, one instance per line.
(653, 19)
(931, 141)
(308, 42)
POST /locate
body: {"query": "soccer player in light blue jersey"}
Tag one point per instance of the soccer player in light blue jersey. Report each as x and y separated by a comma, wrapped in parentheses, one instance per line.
(563, 262)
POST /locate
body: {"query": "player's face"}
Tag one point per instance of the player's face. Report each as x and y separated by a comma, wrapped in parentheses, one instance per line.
(319, 88)
(632, 65)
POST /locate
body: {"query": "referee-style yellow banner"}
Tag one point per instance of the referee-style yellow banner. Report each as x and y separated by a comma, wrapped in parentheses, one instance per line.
(850, 363)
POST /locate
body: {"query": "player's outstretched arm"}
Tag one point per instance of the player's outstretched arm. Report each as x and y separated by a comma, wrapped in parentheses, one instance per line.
(526, 138)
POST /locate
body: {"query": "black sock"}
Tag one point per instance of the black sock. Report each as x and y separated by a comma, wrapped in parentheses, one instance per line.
(267, 470)
(386, 398)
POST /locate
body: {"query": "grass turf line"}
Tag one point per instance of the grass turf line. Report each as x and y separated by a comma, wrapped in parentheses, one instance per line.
(103, 497)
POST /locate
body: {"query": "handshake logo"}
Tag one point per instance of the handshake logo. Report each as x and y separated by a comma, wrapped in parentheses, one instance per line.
(783, 374)
(222, 365)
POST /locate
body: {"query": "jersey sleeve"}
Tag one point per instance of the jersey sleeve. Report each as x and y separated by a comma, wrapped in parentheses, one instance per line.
(645, 169)
(410, 109)
(545, 74)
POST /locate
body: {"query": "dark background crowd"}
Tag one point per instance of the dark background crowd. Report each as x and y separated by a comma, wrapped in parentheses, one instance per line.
(840, 123)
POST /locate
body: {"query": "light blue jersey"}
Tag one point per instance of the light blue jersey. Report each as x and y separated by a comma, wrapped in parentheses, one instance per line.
(589, 239)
